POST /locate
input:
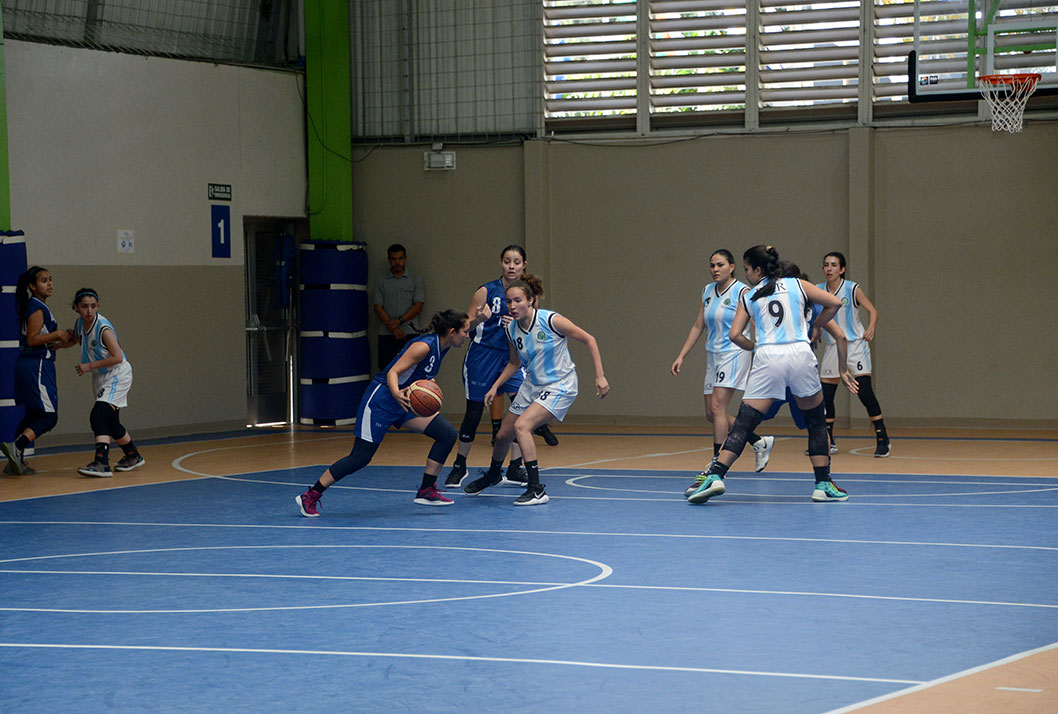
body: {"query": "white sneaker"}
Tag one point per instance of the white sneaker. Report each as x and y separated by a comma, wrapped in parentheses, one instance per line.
(762, 450)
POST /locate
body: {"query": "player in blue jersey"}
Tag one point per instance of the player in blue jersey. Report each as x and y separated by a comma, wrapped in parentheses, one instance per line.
(385, 404)
(35, 386)
(101, 354)
(852, 298)
(782, 357)
(485, 359)
(537, 344)
(727, 364)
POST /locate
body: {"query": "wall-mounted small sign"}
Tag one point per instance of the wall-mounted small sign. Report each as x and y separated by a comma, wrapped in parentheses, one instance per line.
(219, 191)
(126, 241)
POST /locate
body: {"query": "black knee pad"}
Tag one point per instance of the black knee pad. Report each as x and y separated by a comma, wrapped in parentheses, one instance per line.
(102, 418)
(829, 390)
(816, 421)
(358, 458)
(444, 438)
(745, 422)
(867, 398)
(471, 419)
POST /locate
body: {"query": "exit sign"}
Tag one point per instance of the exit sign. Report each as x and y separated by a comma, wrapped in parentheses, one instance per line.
(219, 192)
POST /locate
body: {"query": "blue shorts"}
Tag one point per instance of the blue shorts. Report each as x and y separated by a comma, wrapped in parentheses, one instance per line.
(35, 386)
(378, 411)
(481, 367)
(795, 411)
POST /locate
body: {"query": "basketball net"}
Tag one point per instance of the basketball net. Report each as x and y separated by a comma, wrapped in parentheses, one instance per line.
(1007, 95)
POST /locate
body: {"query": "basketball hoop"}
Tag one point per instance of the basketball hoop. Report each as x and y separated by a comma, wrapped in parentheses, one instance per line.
(1007, 95)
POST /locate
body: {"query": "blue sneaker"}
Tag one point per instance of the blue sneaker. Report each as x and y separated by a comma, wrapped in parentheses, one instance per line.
(828, 491)
(713, 485)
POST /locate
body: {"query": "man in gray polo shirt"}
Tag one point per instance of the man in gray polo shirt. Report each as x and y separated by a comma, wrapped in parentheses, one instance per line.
(399, 299)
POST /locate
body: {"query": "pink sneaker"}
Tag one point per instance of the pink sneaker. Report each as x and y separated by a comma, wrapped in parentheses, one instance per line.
(307, 502)
(430, 496)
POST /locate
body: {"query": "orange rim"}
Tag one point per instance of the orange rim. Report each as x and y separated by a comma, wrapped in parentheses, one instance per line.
(993, 80)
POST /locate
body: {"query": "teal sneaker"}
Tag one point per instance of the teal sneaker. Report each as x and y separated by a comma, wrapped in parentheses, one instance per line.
(698, 481)
(828, 491)
(713, 485)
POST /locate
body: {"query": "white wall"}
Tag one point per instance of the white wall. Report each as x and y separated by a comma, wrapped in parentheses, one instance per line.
(101, 142)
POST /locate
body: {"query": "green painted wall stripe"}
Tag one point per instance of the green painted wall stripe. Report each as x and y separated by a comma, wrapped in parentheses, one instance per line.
(327, 79)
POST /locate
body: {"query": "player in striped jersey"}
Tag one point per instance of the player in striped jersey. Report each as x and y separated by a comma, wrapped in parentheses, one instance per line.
(727, 364)
(111, 380)
(852, 298)
(782, 357)
(385, 404)
(538, 343)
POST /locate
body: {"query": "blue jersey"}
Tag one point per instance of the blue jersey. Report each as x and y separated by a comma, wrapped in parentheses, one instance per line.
(50, 325)
(848, 317)
(780, 317)
(719, 311)
(490, 333)
(93, 348)
(425, 369)
(542, 349)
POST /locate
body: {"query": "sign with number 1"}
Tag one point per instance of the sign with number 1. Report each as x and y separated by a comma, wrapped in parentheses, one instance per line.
(221, 230)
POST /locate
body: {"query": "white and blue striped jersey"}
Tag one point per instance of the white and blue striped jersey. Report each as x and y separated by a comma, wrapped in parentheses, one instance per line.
(93, 348)
(719, 311)
(848, 317)
(542, 349)
(780, 317)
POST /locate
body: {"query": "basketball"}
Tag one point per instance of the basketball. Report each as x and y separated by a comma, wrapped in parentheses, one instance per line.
(426, 397)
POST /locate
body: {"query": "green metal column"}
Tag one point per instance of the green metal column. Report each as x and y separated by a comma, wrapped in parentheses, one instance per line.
(5, 177)
(327, 79)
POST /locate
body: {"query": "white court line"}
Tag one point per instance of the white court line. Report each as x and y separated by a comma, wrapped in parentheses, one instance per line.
(604, 572)
(942, 680)
(462, 658)
(867, 450)
(458, 581)
(1020, 689)
(574, 481)
(676, 499)
(504, 531)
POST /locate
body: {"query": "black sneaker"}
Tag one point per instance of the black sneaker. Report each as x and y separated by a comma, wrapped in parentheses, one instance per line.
(533, 496)
(545, 431)
(130, 462)
(97, 469)
(480, 484)
(515, 477)
(456, 476)
(882, 451)
(27, 470)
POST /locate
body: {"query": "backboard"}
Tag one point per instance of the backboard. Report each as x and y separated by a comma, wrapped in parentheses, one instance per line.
(956, 41)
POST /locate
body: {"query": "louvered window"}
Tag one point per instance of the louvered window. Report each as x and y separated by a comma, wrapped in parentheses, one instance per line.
(697, 55)
(590, 57)
(809, 52)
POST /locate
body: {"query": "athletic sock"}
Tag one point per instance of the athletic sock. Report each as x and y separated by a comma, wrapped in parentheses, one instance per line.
(716, 449)
(718, 468)
(496, 427)
(753, 438)
(879, 431)
(129, 449)
(822, 473)
(532, 470)
(21, 442)
(460, 462)
(515, 463)
(318, 487)
(494, 469)
(427, 481)
(102, 453)
(830, 431)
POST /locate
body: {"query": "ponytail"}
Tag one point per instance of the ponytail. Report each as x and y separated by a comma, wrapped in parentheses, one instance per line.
(531, 285)
(447, 320)
(766, 259)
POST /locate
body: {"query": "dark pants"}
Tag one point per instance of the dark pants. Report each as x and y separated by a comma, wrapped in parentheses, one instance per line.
(388, 348)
